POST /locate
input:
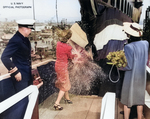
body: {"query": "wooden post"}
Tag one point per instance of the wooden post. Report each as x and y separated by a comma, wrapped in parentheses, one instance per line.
(35, 114)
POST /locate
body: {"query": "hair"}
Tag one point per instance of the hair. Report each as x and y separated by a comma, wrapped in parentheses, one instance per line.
(133, 39)
(64, 35)
(20, 26)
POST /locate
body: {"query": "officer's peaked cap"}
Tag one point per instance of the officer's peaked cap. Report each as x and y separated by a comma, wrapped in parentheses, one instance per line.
(28, 23)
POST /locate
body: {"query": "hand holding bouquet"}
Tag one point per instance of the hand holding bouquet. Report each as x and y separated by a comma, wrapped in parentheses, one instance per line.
(117, 58)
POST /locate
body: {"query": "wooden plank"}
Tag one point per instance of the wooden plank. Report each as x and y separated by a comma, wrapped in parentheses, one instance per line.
(146, 112)
(108, 106)
(94, 111)
(77, 110)
(46, 110)
(83, 107)
(118, 109)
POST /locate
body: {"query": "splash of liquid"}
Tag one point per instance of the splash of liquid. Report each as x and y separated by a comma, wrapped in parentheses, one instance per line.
(84, 74)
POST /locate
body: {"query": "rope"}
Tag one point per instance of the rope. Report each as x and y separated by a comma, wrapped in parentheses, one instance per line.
(110, 75)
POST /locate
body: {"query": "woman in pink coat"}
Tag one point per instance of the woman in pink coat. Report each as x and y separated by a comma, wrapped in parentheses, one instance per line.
(63, 54)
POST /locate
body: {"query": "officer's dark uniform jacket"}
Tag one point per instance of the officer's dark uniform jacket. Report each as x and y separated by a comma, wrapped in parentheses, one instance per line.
(18, 54)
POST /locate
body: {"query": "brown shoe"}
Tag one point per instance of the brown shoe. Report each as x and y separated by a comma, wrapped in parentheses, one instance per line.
(68, 101)
(58, 107)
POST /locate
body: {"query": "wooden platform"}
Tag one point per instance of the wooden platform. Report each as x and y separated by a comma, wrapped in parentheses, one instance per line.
(83, 107)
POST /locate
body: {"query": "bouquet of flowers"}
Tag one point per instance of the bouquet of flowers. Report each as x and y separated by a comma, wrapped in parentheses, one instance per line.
(117, 58)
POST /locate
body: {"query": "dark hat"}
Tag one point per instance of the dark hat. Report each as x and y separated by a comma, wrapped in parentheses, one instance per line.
(28, 23)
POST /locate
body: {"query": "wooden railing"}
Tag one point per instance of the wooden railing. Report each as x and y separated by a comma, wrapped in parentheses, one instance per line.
(108, 106)
(5, 76)
(31, 91)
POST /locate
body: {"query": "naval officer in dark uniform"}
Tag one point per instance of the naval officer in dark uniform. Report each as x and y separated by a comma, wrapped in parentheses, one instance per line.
(17, 59)
(17, 55)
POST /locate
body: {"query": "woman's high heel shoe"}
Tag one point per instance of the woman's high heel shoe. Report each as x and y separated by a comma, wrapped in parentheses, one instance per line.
(68, 101)
(58, 107)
